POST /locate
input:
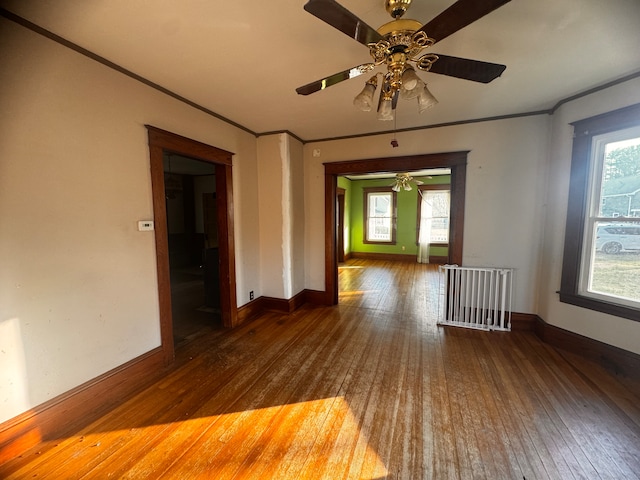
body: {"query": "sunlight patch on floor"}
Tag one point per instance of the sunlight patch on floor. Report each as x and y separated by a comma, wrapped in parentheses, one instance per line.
(302, 440)
(353, 293)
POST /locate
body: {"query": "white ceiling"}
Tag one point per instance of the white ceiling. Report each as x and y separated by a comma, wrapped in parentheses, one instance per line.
(243, 60)
(431, 172)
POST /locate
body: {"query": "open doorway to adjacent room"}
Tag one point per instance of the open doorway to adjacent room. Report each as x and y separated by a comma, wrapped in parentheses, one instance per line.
(452, 164)
(190, 193)
(192, 250)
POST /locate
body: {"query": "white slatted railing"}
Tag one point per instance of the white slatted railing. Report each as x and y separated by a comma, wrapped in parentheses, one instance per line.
(476, 297)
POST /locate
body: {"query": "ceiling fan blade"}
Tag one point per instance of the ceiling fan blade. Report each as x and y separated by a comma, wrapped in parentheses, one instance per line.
(337, 16)
(458, 16)
(335, 78)
(474, 70)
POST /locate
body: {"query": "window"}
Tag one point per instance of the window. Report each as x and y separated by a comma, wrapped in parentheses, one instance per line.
(601, 266)
(434, 204)
(380, 215)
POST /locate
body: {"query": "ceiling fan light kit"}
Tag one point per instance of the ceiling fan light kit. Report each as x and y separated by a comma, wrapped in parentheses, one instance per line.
(399, 45)
(403, 182)
(364, 100)
(425, 99)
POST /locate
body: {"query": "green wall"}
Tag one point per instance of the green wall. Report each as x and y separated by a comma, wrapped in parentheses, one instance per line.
(407, 209)
(345, 183)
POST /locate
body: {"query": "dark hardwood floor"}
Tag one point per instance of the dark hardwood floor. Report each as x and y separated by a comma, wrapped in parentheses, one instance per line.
(370, 389)
(190, 314)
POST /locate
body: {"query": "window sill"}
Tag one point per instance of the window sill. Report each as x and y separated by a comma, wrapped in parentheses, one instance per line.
(600, 306)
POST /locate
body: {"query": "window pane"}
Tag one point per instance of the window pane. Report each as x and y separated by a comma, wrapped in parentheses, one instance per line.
(615, 262)
(611, 267)
(379, 227)
(620, 191)
(379, 205)
(434, 211)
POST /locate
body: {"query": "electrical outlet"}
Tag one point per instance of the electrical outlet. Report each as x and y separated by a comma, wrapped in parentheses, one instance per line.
(251, 295)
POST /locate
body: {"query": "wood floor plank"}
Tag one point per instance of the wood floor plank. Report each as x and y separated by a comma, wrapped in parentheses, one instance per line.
(249, 392)
(548, 440)
(370, 389)
(579, 410)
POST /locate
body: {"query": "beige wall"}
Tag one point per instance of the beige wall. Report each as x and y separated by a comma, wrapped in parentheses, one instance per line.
(504, 197)
(280, 174)
(78, 289)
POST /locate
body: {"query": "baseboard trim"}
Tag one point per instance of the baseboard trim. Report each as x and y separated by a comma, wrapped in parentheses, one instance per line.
(316, 297)
(88, 401)
(250, 310)
(282, 305)
(390, 257)
(438, 260)
(616, 360)
(255, 307)
(397, 257)
(523, 322)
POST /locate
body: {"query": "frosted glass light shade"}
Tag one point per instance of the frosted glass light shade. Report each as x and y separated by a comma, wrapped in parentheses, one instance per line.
(409, 79)
(385, 110)
(425, 100)
(411, 94)
(364, 100)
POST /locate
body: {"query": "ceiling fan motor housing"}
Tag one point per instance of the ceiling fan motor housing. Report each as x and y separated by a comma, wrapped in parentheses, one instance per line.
(397, 8)
(402, 42)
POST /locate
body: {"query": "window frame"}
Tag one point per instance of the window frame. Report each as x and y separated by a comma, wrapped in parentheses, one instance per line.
(394, 214)
(578, 209)
(434, 186)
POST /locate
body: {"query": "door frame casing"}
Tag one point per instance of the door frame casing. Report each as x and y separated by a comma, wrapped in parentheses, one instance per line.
(340, 205)
(161, 141)
(456, 161)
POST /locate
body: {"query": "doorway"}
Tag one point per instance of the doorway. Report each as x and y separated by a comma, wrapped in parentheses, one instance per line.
(162, 143)
(455, 161)
(190, 196)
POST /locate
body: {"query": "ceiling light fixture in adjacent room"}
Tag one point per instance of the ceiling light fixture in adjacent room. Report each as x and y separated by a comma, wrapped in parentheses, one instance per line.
(403, 182)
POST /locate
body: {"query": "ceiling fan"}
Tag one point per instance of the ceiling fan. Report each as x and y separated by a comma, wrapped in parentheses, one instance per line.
(399, 45)
(403, 182)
